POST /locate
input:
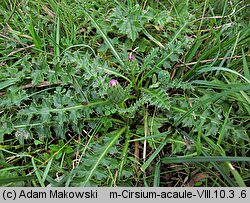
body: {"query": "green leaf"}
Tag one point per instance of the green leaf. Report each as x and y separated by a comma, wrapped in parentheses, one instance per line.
(156, 97)
(8, 82)
(203, 70)
(211, 98)
(131, 28)
(128, 21)
(57, 37)
(193, 50)
(35, 37)
(37, 77)
(47, 169)
(37, 172)
(7, 180)
(245, 66)
(100, 153)
(104, 35)
(152, 157)
(68, 150)
(199, 159)
(157, 174)
(54, 147)
(124, 157)
(114, 72)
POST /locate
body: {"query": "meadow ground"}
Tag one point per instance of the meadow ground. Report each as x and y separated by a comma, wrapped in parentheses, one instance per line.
(124, 93)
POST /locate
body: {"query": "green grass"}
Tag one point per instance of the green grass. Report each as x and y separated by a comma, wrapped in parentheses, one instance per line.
(184, 69)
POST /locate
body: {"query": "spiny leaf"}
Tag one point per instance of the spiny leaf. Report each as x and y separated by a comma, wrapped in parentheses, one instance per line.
(99, 154)
(128, 21)
(158, 98)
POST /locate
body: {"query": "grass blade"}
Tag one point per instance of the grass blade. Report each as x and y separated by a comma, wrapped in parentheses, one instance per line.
(245, 66)
(211, 99)
(57, 48)
(39, 178)
(35, 37)
(116, 134)
(110, 71)
(124, 157)
(153, 39)
(168, 160)
(222, 69)
(152, 157)
(236, 175)
(105, 37)
(15, 179)
(157, 174)
(222, 131)
(47, 169)
(8, 83)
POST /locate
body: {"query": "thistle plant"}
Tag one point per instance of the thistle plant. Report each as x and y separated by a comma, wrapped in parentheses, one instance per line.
(124, 93)
(116, 93)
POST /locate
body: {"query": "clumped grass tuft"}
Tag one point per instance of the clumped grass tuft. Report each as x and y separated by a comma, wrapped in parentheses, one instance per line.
(179, 117)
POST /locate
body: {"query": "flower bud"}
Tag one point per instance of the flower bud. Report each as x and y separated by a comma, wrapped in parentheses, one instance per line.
(131, 57)
(113, 82)
(116, 93)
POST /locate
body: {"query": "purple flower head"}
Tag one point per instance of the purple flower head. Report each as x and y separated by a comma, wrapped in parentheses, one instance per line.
(131, 57)
(113, 82)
